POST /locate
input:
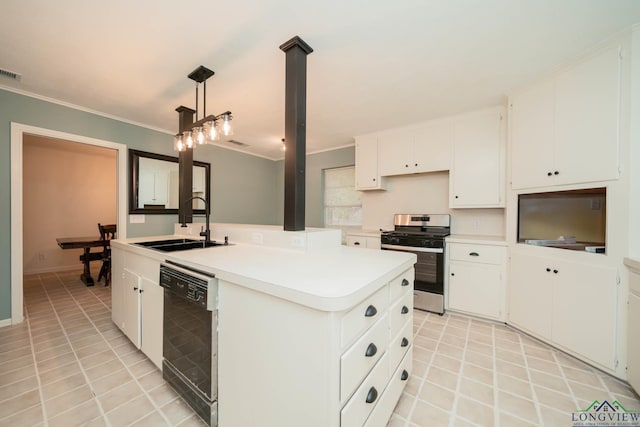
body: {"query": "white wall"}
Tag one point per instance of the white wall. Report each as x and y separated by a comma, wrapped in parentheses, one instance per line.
(426, 193)
(68, 189)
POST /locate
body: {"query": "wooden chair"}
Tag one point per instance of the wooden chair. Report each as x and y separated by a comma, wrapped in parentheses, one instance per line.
(107, 232)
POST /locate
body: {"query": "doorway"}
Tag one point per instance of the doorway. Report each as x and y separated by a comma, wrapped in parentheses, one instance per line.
(20, 133)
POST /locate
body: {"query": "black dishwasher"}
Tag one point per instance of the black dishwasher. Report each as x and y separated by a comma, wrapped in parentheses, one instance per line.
(189, 345)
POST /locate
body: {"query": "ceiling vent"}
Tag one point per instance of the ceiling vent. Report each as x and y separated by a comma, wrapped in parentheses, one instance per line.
(10, 74)
(238, 143)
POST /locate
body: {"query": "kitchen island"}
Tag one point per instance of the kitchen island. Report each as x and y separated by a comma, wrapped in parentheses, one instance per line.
(309, 332)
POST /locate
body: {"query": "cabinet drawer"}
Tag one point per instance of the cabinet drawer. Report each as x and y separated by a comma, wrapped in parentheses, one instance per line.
(356, 362)
(476, 253)
(382, 411)
(363, 316)
(356, 411)
(400, 344)
(402, 283)
(400, 312)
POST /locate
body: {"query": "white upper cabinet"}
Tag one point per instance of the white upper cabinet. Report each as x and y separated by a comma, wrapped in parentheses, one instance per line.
(418, 149)
(367, 175)
(565, 129)
(477, 165)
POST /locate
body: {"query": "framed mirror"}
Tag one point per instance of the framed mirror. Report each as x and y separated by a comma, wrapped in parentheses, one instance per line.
(154, 183)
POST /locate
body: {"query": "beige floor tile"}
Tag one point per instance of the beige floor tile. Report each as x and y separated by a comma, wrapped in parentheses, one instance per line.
(422, 355)
(475, 411)
(91, 350)
(19, 403)
(513, 421)
(62, 386)
(10, 344)
(193, 421)
(111, 381)
(477, 373)
(142, 368)
(151, 380)
(448, 363)
(154, 419)
(425, 342)
(162, 394)
(553, 382)
(461, 422)
(11, 390)
(32, 416)
(543, 366)
(133, 357)
(455, 331)
(59, 372)
(68, 400)
(104, 369)
(53, 352)
(514, 386)
(405, 405)
(516, 358)
(561, 402)
(177, 411)
(477, 391)
(453, 340)
(443, 378)
(539, 351)
(514, 405)
(419, 369)
(437, 396)
(413, 386)
(11, 355)
(94, 360)
(450, 350)
(120, 395)
(583, 377)
(131, 411)
(587, 393)
(14, 364)
(17, 375)
(479, 347)
(552, 417)
(78, 415)
(482, 360)
(56, 362)
(424, 411)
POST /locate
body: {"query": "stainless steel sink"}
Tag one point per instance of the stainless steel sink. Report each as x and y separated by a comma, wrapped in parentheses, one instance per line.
(173, 245)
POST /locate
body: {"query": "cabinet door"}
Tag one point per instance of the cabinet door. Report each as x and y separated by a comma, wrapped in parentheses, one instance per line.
(152, 302)
(477, 167)
(532, 136)
(587, 120)
(117, 287)
(367, 177)
(475, 288)
(394, 151)
(530, 294)
(633, 354)
(584, 310)
(431, 149)
(131, 307)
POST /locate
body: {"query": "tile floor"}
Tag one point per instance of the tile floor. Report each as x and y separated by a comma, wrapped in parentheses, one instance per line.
(68, 364)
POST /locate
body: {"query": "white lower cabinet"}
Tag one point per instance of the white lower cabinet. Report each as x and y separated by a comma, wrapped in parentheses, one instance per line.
(571, 304)
(476, 279)
(361, 240)
(325, 369)
(137, 302)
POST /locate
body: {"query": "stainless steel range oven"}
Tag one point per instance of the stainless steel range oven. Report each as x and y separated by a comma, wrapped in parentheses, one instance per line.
(190, 344)
(423, 235)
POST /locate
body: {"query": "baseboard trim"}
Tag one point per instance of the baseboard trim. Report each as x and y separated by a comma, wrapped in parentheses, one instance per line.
(5, 322)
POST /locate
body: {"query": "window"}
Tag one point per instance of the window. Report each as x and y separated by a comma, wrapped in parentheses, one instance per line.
(342, 203)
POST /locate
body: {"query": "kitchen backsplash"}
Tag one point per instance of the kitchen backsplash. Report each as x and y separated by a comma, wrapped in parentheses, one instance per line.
(426, 193)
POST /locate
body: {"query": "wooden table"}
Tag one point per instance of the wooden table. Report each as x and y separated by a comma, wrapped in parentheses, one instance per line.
(85, 243)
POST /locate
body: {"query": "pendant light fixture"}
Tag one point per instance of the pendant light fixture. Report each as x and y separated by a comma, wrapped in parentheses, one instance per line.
(207, 129)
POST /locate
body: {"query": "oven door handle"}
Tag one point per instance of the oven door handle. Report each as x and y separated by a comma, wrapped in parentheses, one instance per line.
(411, 248)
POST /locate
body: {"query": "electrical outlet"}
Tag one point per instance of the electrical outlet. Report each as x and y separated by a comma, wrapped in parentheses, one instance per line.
(256, 238)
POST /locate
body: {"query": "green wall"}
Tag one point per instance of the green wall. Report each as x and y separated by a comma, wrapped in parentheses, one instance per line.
(316, 163)
(243, 186)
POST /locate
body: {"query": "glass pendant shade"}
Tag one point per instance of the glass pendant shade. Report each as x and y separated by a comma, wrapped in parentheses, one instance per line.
(200, 138)
(188, 137)
(227, 130)
(211, 131)
(178, 143)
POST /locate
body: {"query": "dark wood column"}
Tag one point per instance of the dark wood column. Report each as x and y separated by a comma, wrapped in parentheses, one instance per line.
(295, 122)
(185, 167)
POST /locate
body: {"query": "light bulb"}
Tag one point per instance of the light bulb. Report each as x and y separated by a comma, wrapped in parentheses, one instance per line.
(189, 139)
(226, 124)
(200, 135)
(211, 130)
(178, 144)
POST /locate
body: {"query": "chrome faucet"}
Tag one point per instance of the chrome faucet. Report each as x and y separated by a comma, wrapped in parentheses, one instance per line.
(207, 232)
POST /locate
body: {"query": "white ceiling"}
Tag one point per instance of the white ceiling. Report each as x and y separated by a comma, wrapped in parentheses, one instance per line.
(376, 64)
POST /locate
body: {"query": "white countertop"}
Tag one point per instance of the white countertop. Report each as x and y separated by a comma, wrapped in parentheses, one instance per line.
(327, 278)
(482, 240)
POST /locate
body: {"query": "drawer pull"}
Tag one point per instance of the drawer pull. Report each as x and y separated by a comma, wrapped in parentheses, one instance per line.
(474, 254)
(371, 350)
(405, 282)
(404, 375)
(372, 395)
(356, 243)
(370, 311)
(548, 270)
(404, 310)
(555, 271)
(404, 342)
